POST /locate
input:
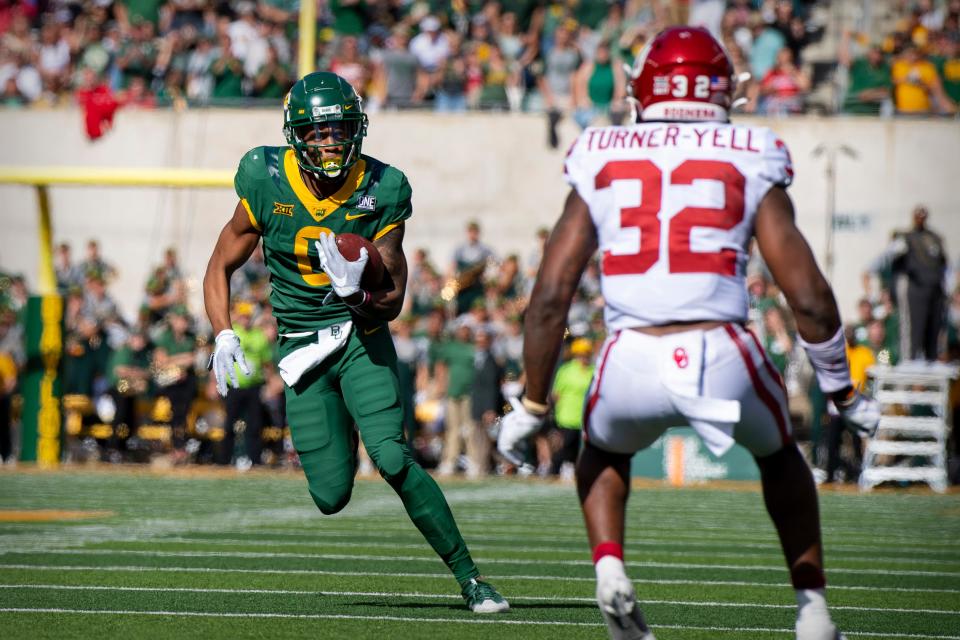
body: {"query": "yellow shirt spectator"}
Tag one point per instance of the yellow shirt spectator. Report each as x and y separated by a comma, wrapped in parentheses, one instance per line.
(861, 358)
(8, 373)
(914, 81)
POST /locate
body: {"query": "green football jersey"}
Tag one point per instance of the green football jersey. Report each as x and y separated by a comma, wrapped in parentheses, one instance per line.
(373, 200)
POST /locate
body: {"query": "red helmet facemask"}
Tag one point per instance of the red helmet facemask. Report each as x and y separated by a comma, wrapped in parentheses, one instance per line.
(682, 74)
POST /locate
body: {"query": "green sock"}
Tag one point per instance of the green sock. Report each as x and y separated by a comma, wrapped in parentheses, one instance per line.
(429, 511)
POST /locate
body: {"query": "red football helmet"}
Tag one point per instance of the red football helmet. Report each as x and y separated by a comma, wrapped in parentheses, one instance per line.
(682, 74)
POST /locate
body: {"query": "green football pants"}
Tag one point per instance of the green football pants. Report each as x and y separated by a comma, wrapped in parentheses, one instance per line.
(358, 386)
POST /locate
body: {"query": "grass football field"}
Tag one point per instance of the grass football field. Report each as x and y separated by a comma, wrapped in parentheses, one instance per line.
(108, 554)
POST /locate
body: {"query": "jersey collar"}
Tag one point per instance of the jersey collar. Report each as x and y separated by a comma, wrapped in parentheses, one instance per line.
(320, 209)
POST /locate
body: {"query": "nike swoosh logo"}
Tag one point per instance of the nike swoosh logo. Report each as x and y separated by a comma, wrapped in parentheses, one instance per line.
(367, 332)
(355, 216)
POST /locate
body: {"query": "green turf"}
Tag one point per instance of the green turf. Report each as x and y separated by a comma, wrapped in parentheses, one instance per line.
(249, 556)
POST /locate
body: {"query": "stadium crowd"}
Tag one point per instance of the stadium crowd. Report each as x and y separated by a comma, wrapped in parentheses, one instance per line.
(564, 58)
(459, 340)
(136, 387)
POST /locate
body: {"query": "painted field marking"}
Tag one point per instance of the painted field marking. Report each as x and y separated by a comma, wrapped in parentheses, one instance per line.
(513, 561)
(499, 578)
(49, 515)
(580, 550)
(333, 616)
(580, 535)
(450, 596)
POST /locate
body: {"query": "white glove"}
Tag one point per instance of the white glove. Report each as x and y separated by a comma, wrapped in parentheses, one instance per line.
(226, 352)
(344, 275)
(861, 413)
(515, 427)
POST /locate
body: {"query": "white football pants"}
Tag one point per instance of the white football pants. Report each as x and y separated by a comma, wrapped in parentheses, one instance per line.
(720, 382)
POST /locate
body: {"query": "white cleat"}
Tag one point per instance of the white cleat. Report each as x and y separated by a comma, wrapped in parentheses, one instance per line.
(818, 629)
(618, 604)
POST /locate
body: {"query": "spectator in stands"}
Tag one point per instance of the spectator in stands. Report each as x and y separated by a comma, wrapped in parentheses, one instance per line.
(707, 14)
(97, 303)
(94, 263)
(783, 89)
(128, 378)
(431, 48)
(509, 281)
(166, 287)
(227, 72)
(767, 42)
(510, 44)
(131, 12)
(200, 81)
(9, 373)
(454, 362)
(486, 402)
(864, 318)
(601, 89)
(508, 348)
(870, 86)
(68, 274)
(450, 80)
(884, 351)
(244, 410)
(18, 38)
(947, 61)
(557, 86)
(917, 86)
(397, 69)
(349, 16)
(469, 264)
(11, 96)
(54, 60)
(85, 353)
(273, 79)
(174, 376)
(408, 358)
(778, 341)
(351, 66)
(887, 312)
(536, 254)
(138, 95)
(138, 53)
(496, 77)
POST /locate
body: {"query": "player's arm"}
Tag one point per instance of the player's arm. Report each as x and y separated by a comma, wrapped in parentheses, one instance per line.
(387, 303)
(570, 247)
(237, 241)
(794, 268)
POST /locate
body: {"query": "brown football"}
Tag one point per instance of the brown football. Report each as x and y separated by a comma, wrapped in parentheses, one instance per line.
(349, 245)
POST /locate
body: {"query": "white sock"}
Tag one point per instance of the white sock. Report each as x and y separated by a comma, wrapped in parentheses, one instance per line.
(609, 566)
(811, 603)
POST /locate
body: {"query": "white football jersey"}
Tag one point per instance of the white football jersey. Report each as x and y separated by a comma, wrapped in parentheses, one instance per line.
(674, 205)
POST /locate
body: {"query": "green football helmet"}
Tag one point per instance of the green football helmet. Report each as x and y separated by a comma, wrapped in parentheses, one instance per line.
(324, 122)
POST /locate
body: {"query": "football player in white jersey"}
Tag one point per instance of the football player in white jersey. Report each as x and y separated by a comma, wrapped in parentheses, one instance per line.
(672, 203)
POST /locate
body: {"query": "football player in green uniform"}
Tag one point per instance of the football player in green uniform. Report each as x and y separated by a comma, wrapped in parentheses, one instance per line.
(337, 356)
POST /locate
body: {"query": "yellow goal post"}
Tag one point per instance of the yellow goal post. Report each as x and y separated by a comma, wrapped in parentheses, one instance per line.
(41, 423)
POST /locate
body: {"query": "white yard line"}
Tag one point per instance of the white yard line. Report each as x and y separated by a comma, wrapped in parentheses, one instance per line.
(577, 534)
(581, 550)
(498, 578)
(451, 596)
(498, 620)
(779, 568)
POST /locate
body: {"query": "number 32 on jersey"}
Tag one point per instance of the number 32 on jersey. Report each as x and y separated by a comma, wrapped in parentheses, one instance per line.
(645, 217)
